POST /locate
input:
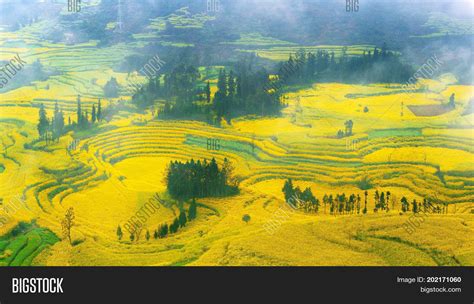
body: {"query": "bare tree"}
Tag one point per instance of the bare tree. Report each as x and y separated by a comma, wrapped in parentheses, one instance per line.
(67, 223)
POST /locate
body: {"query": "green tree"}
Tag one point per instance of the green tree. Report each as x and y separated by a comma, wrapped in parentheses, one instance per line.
(94, 116)
(325, 201)
(119, 232)
(99, 111)
(208, 92)
(405, 206)
(452, 102)
(192, 212)
(147, 235)
(348, 124)
(79, 111)
(288, 189)
(382, 201)
(164, 229)
(231, 84)
(174, 226)
(220, 98)
(246, 218)
(67, 223)
(377, 200)
(43, 123)
(222, 83)
(111, 88)
(182, 218)
(58, 122)
(415, 206)
(366, 194)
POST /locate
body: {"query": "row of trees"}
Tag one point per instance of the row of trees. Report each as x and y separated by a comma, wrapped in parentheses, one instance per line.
(83, 122)
(179, 222)
(425, 206)
(55, 127)
(200, 179)
(50, 129)
(379, 65)
(165, 229)
(341, 204)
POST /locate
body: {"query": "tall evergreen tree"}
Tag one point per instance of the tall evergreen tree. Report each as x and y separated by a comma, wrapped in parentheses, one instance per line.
(222, 83)
(79, 111)
(58, 122)
(231, 84)
(366, 194)
(415, 206)
(182, 218)
(192, 212)
(119, 232)
(174, 226)
(405, 206)
(94, 116)
(208, 92)
(43, 124)
(99, 112)
(164, 230)
(288, 189)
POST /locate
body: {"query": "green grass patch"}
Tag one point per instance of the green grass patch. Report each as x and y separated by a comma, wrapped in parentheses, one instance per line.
(395, 133)
(23, 243)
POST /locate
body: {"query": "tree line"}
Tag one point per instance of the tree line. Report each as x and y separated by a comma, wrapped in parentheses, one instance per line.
(342, 204)
(377, 66)
(164, 229)
(244, 89)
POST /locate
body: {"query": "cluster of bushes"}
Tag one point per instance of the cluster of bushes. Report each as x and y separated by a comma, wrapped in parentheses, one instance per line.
(51, 129)
(200, 179)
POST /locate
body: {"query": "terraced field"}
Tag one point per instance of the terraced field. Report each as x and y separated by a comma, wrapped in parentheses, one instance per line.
(120, 165)
(280, 53)
(21, 246)
(114, 172)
